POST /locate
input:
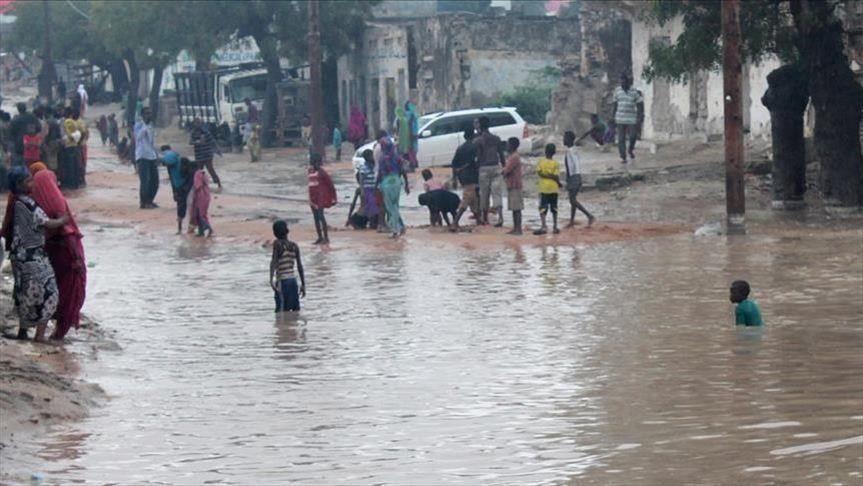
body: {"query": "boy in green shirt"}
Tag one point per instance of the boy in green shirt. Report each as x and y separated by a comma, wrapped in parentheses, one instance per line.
(747, 312)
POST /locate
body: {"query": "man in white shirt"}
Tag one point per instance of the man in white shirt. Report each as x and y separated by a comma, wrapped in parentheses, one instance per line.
(628, 110)
(147, 160)
(573, 179)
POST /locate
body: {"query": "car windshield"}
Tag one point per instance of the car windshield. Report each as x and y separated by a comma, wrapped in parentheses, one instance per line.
(425, 119)
(252, 87)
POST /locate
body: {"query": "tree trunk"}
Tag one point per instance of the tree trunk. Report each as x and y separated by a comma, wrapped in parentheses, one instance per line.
(837, 99)
(134, 81)
(270, 56)
(48, 75)
(786, 98)
(158, 71)
(316, 103)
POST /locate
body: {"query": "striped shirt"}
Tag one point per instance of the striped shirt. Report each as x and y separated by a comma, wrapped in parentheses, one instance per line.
(368, 178)
(285, 256)
(205, 144)
(627, 106)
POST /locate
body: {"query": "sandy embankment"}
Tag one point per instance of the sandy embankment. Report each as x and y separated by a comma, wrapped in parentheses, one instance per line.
(38, 387)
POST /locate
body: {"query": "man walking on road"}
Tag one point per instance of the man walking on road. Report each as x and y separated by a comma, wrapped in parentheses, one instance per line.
(205, 145)
(490, 159)
(628, 105)
(146, 159)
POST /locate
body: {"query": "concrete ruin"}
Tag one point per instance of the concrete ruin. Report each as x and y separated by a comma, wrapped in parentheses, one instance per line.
(452, 60)
(449, 61)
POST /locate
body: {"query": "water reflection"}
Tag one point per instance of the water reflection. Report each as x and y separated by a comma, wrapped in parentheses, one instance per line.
(615, 364)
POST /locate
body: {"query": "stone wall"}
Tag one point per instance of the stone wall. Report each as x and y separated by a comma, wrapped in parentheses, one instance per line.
(450, 61)
(590, 72)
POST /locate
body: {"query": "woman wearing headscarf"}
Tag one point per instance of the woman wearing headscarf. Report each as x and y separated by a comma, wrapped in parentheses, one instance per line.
(413, 123)
(391, 174)
(82, 93)
(403, 129)
(35, 293)
(8, 217)
(65, 251)
(357, 127)
(70, 155)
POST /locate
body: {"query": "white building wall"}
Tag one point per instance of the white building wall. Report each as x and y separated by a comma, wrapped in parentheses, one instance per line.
(759, 116)
(678, 124)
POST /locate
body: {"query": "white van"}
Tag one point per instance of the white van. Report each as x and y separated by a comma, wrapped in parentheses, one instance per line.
(440, 134)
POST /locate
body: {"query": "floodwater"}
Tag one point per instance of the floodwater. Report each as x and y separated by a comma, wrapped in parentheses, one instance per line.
(608, 364)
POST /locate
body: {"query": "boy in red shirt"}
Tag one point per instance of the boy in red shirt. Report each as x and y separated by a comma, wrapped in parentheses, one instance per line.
(322, 195)
(32, 145)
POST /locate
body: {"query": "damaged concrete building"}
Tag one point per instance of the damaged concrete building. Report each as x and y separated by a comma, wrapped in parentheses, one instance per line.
(445, 60)
(449, 61)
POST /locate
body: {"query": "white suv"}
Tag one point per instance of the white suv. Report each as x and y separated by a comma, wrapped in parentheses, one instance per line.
(441, 133)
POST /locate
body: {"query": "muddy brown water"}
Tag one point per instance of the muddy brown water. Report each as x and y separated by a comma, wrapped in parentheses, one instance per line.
(609, 364)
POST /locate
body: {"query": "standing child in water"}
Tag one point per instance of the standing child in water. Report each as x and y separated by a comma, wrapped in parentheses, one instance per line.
(201, 202)
(322, 195)
(286, 255)
(747, 312)
(548, 171)
(514, 186)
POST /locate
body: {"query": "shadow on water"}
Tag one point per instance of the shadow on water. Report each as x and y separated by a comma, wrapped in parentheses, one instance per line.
(614, 363)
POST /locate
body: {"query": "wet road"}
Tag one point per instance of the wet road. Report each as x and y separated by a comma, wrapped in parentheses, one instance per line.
(610, 364)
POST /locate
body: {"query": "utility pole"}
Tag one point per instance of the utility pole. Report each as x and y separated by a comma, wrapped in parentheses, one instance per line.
(316, 101)
(732, 72)
(47, 74)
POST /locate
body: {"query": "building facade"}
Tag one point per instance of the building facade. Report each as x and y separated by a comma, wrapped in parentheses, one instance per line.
(448, 61)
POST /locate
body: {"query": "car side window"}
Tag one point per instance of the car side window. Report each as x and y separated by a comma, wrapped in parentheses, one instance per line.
(501, 119)
(440, 127)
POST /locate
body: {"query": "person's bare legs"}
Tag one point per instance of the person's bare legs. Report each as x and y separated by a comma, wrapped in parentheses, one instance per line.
(516, 223)
(324, 227)
(578, 205)
(40, 332)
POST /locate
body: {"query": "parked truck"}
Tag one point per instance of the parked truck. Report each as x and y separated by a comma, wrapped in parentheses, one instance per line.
(218, 98)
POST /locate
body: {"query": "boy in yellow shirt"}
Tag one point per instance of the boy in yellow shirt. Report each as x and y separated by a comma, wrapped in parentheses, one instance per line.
(548, 171)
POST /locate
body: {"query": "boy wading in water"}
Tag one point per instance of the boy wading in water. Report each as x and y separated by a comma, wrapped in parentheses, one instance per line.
(573, 179)
(747, 312)
(286, 255)
(548, 171)
(322, 195)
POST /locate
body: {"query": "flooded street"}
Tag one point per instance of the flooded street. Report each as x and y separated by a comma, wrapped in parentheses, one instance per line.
(607, 364)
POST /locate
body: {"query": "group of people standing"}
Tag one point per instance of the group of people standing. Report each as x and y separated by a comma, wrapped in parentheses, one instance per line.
(55, 136)
(483, 165)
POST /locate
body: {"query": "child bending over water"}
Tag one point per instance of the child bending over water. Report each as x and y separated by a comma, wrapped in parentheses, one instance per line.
(747, 312)
(286, 255)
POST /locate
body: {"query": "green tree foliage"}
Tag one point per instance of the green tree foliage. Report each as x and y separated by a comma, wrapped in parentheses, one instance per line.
(766, 27)
(69, 32)
(805, 33)
(532, 102)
